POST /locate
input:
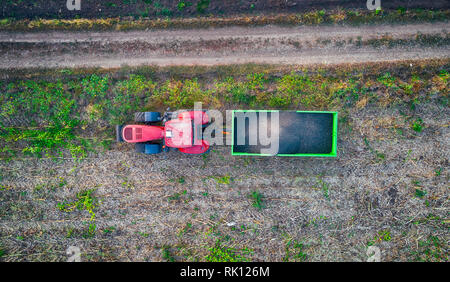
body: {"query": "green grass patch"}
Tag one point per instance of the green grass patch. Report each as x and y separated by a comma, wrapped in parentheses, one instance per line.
(420, 193)
(417, 125)
(257, 199)
(85, 201)
(163, 17)
(383, 235)
(432, 249)
(226, 179)
(222, 253)
(379, 156)
(166, 254)
(295, 251)
(48, 113)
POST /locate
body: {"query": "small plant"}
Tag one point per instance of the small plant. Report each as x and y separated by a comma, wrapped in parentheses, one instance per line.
(166, 254)
(379, 156)
(109, 230)
(431, 250)
(143, 234)
(325, 188)
(95, 86)
(177, 196)
(294, 250)
(182, 5)
(221, 253)
(185, 229)
(417, 125)
(419, 193)
(388, 80)
(226, 179)
(257, 199)
(383, 235)
(84, 201)
(202, 5)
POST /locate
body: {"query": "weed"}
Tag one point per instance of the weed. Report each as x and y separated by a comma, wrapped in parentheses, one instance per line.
(185, 229)
(431, 250)
(388, 80)
(109, 230)
(383, 235)
(95, 86)
(202, 5)
(182, 5)
(257, 199)
(181, 94)
(84, 201)
(221, 253)
(166, 254)
(128, 96)
(127, 184)
(176, 196)
(294, 250)
(379, 156)
(143, 234)
(70, 232)
(325, 188)
(438, 171)
(315, 220)
(419, 193)
(417, 125)
(226, 179)
(50, 110)
(56, 114)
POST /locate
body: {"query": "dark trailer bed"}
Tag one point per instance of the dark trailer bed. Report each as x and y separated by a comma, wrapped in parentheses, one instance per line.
(301, 133)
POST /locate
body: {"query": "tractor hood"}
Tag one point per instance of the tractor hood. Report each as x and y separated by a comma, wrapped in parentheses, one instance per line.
(179, 133)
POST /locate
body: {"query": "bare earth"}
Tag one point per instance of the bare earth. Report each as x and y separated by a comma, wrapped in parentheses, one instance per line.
(269, 44)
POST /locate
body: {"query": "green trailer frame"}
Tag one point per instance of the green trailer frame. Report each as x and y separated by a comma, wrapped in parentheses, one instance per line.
(333, 152)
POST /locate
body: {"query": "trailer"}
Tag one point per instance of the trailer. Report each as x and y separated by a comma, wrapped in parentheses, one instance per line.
(300, 133)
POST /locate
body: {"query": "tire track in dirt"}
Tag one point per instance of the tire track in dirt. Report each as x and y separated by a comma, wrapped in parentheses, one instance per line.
(231, 45)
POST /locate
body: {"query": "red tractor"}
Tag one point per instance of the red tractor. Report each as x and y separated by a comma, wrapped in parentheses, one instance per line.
(181, 130)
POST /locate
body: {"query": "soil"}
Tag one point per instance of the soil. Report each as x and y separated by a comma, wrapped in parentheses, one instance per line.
(334, 206)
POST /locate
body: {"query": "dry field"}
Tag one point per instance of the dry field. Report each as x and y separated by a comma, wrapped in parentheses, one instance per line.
(64, 182)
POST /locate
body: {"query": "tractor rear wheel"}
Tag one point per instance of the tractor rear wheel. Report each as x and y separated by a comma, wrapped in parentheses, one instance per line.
(148, 148)
(147, 117)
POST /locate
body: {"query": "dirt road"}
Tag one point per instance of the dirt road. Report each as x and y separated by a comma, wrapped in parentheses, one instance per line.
(269, 44)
